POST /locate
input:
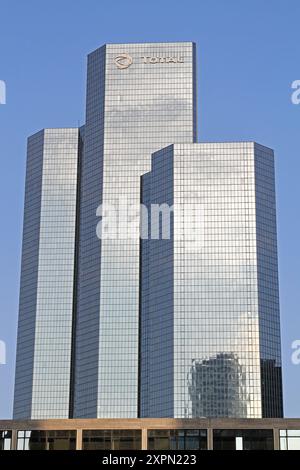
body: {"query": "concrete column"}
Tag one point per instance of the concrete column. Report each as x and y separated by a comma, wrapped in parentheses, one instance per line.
(209, 439)
(144, 439)
(276, 439)
(14, 438)
(79, 439)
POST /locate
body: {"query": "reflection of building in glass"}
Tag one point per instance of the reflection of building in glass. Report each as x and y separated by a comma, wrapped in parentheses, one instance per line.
(209, 294)
(112, 327)
(217, 387)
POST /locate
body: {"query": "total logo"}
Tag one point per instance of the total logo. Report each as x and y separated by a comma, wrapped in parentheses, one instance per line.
(162, 60)
(123, 61)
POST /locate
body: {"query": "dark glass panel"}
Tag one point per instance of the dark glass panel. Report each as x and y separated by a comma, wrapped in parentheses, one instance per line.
(111, 440)
(177, 439)
(252, 439)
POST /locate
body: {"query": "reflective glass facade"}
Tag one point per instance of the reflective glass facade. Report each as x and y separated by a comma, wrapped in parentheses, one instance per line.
(5, 440)
(177, 439)
(113, 439)
(209, 312)
(130, 113)
(289, 439)
(243, 439)
(115, 326)
(46, 440)
(157, 296)
(151, 434)
(43, 366)
(267, 283)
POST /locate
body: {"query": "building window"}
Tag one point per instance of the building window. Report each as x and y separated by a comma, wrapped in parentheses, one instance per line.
(243, 439)
(111, 439)
(177, 439)
(46, 440)
(5, 440)
(289, 439)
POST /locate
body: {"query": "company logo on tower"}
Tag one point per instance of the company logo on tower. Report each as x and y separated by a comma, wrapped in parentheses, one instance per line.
(162, 60)
(123, 61)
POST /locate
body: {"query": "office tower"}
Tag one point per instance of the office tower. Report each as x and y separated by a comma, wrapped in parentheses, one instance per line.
(43, 365)
(112, 326)
(210, 333)
(140, 98)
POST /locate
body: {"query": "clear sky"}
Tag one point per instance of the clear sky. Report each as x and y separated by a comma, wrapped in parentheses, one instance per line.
(248, 57)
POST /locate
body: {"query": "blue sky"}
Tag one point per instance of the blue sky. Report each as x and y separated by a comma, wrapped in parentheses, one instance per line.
(248, 57)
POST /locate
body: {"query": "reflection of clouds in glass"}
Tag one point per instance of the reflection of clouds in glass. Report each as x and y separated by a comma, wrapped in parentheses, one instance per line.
(2, 352)
(55, 152)
(164, 109)
(145, 108)
(2, 92)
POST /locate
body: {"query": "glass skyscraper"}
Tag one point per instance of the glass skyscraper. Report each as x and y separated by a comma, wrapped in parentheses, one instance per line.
(140, 97)
(210, 334)
(43, 368)
(112, 325)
